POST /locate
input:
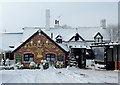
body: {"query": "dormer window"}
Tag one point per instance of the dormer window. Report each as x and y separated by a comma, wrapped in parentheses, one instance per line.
(59, 39)
(98, 38)
(76, 37)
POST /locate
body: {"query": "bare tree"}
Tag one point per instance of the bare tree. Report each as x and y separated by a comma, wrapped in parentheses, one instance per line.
(113, 32)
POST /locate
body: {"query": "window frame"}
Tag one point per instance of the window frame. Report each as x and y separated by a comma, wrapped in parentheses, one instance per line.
(28, 55)
(98, 38)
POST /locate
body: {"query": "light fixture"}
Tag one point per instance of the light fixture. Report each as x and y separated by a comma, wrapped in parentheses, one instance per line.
(39, 41)
(31, 42)
(87, 53)
(47, 41)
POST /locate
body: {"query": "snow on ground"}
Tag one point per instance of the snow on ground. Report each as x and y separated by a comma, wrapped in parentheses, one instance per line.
(0, 77)
(65, 75)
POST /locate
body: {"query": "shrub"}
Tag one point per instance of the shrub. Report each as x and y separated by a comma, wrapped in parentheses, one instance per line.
(7, 68)
(59, 64)
(32, 65)
(44, 64)
(20, 66)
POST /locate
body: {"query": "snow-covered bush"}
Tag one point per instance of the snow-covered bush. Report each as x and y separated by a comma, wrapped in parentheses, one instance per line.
(44, 64)
(32, 65)
(2, 67)
(59, 64)
(6, 68)
(99, 66)
(90, 63)
(12, 67)
(7, 62)
(19, 65)
(37, 66)
(2, 62)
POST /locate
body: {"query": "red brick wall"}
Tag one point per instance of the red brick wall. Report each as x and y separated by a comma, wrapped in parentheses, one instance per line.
(43, 48)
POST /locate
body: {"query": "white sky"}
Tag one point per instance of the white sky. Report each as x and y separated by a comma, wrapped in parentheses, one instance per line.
(16, 15)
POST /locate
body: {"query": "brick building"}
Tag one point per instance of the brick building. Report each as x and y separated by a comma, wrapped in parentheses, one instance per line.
(54, 43)
(39, 47)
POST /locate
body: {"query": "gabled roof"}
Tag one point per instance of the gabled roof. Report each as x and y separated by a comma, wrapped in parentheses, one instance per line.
(77, 36)
(36, 34)
(98, 34)
(87, 33)
(59, 37)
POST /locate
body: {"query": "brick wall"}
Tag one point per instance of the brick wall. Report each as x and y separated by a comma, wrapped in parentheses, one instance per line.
(39, 45)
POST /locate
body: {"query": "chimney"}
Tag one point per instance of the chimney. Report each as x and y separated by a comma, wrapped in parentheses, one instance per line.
(103, 23)
(47, 27)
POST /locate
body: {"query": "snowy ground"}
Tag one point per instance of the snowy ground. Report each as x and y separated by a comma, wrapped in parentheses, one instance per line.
(52, 75)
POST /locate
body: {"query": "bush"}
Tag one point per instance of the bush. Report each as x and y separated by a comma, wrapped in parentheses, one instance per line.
(59, 64)
(32, 65)
(7, 68)
(44, 64)
(19, 66)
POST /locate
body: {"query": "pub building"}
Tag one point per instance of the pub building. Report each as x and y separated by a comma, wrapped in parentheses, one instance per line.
(39, 47)
(58, 43)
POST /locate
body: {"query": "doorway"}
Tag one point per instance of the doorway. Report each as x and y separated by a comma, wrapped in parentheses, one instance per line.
(110, 64)
(79, 56)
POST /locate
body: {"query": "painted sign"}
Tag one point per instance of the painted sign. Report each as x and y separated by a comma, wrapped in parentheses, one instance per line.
(39, 53)
(18, 58)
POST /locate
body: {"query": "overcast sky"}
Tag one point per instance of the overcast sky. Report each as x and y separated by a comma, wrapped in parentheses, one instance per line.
(16, 15)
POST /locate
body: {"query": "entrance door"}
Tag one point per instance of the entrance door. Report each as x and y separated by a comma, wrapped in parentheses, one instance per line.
(79, 56)
(50, 58)
(110, 64)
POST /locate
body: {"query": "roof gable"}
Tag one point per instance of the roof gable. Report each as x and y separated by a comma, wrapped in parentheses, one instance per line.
(76, 37)
(59, 37)
(98, 35)
(35, 35)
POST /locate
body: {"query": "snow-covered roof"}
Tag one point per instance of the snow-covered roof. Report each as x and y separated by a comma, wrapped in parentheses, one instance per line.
(87, 33)
(10, 39)
(112, 43)
(28, 31)
(64, 46)
(78, 44)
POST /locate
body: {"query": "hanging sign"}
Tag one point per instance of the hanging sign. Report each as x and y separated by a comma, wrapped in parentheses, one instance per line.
(18, 58)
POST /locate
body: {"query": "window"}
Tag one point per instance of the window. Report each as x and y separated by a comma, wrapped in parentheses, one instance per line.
(50, 58)
(59, 39)
(28, 57)
(60, 57)
(98, 38)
